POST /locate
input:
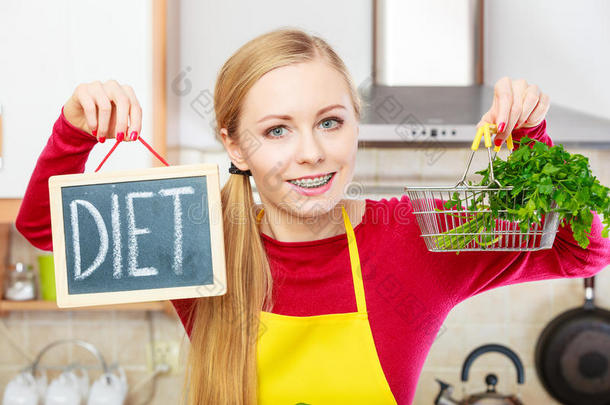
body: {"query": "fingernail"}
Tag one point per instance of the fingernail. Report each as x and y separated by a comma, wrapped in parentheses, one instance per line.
(94, 132)
(102, 139)
(498, 141)
(501, 127)
(134, 136)
(120, 136)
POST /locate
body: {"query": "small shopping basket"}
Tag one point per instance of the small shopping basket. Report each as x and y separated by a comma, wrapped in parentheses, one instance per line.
(470, 224)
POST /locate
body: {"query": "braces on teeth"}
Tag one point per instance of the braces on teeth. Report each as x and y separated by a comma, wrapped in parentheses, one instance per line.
(312, 182)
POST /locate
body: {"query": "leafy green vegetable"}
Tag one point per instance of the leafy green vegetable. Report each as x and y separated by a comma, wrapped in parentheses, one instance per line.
(543, 179)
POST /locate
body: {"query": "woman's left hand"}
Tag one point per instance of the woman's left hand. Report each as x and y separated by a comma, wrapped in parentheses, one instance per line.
(516, 104)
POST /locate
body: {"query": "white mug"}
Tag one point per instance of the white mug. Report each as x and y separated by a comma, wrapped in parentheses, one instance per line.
(64, 390)
(83, 381)
(22, 390)
(109, 389)
(41, 384)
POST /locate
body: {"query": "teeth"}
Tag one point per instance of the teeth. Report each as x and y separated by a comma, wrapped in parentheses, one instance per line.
(316, 182)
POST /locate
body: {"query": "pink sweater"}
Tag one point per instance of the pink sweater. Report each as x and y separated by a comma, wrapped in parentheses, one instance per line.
(409, 290)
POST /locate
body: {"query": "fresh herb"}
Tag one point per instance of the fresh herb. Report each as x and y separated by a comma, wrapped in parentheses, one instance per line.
(541, 179)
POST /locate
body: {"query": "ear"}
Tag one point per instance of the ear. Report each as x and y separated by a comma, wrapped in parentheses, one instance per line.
(233, 150)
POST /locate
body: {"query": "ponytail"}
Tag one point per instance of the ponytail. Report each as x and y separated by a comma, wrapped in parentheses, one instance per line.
(225, 328)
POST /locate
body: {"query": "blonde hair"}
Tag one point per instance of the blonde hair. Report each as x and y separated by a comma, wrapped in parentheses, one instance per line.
(221, 366)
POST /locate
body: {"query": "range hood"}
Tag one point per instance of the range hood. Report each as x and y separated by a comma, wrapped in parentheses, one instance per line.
(418, 115)
(428, 80)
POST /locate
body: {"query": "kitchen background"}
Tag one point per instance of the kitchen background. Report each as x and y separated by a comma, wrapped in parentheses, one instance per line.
(554, 44)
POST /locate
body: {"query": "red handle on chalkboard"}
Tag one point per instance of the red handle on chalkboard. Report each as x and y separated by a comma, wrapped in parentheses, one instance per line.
(154, 152)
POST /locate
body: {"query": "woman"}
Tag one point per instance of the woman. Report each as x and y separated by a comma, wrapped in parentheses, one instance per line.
(286, 108)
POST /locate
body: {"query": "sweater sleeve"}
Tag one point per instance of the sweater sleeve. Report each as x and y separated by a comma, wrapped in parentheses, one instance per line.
(469, 273)
(66, 152)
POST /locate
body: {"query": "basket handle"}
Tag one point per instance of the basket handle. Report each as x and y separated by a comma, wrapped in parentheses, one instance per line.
(485, 131)
(509, 144)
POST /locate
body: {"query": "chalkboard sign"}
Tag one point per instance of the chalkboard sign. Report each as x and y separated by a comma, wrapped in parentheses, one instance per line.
(136, 236)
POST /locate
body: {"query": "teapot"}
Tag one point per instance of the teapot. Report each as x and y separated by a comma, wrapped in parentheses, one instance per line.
(490, 396)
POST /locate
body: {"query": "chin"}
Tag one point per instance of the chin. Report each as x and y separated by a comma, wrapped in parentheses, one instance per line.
(318, 206)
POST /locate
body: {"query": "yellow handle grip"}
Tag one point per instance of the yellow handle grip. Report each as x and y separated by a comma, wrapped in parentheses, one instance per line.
(477, 139)
(509, 144)
(484, 131)
(487, 135)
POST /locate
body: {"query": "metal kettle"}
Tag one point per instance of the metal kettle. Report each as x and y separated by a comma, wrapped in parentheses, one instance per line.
(490, 396)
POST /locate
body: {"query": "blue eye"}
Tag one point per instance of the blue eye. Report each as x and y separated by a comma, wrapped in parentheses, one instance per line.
(278, 132)
(329, 120)
(274, 133)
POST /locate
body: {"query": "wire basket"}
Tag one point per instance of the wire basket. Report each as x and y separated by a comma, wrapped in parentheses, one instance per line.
(473, 226)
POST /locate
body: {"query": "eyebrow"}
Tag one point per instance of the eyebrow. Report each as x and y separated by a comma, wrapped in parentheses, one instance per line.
(288, 117)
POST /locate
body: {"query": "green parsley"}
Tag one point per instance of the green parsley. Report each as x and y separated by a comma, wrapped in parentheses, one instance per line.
(543, 179)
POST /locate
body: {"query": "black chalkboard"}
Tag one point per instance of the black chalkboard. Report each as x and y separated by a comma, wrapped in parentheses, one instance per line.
(136, 233)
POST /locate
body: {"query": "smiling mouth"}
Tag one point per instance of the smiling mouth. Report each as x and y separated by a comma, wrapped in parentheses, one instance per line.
(313, 182)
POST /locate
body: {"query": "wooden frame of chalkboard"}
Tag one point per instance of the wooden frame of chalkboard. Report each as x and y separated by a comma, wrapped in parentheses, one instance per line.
(173, 223)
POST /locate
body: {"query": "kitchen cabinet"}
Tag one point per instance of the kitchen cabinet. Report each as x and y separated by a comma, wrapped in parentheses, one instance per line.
(50, 47)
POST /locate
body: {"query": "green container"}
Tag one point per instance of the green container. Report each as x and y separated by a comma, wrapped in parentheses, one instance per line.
(46, 268)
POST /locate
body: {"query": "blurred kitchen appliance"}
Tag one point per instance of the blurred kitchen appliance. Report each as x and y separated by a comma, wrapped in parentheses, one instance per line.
(490, 396)
(427, 85)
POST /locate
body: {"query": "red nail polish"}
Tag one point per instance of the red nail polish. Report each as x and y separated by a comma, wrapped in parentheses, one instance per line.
(501, 127)
(134, 136)
(120, 136)
(94, 132)
(498, 141)
(102, 139)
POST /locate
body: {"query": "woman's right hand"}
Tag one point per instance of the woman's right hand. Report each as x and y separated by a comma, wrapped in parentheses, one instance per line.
(105, 110)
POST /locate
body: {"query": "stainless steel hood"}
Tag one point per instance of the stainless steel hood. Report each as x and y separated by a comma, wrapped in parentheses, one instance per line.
(418, 115)
(428, 79)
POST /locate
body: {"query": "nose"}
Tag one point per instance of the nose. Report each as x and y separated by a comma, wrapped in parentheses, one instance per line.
(309, 149)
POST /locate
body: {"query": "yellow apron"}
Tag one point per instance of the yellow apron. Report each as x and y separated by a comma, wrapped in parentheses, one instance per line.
(321, 359)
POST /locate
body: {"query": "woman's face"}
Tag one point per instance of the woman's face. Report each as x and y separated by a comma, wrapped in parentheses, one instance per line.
(298, 121)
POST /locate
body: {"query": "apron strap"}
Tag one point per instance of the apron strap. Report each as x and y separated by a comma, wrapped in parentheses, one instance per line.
(354, 260)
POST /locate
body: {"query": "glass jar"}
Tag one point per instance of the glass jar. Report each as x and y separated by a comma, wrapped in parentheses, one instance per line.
(20, 283)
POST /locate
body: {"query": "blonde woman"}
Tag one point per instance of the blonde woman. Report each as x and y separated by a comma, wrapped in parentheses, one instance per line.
(329, 300)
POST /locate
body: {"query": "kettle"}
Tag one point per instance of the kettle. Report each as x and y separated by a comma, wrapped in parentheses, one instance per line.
(490, 396)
